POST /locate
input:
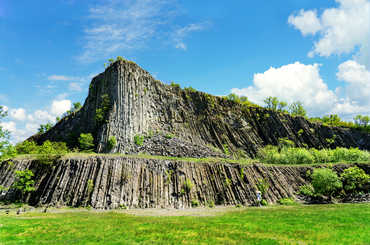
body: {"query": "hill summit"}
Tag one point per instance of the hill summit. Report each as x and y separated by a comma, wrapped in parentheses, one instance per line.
(144, 115)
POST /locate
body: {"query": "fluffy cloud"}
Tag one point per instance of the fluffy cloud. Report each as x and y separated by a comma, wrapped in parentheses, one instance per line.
(306, 21)
(75, 87)
(58, 107)
(290, 83)
(303, 82)
(344, 29)
(18, 114)
(28, 124)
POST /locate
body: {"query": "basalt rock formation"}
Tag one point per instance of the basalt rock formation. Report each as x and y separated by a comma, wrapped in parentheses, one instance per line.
(127, 102)
(107, 182)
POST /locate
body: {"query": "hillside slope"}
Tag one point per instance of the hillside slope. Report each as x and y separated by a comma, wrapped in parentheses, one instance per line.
(126, 102)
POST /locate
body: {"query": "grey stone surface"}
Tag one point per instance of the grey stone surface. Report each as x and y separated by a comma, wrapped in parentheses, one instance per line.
(141, 105)
(107, 182)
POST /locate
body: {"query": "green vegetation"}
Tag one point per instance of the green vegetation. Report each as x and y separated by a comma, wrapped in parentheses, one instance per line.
(175, 85)
(45, 127)
(355, 180)
(292, 155)
(101, 113)
(240, 99)
(187, 186)
(112, 142)
(86, 142)
(24, 182)
(315, 224)
(7, 150)
(325, 181)
(360, 122)
(169, 136)
(287, 202)
(139, 139)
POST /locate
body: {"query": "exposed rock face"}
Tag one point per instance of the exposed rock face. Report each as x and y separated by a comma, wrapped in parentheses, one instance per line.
(111, 182)
(130, 102)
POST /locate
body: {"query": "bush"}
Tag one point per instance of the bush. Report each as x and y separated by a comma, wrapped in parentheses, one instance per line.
(112, 142)
(355, 180)
(325, 181)
(264, 202)
(211, 204)
(86, 142)
(187, 186)
(24, 182)
(27, 147)
(306, 190)
(262, 186)
(49, 151)
(139, 139)
(287, 201)
(194, 203)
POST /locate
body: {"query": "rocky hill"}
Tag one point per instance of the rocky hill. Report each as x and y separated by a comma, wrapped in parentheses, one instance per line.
(126, 102)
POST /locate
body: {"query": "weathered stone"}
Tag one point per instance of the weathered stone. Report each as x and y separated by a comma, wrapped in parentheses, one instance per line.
(143, 106)
(107, 182)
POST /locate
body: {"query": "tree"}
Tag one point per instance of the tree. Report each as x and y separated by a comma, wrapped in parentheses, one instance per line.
(271, 103)
(297, 109)
(24, 182)
(45, 127)
(86, 142)
(282, 105)
(7, 150)
(325, 181)
(362, 120)
(332, 120)
(76, 106)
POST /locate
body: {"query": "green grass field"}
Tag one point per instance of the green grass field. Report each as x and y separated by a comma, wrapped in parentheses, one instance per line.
(316, 224)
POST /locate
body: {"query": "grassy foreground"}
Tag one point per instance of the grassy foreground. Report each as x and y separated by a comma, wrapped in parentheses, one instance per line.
(316, 224)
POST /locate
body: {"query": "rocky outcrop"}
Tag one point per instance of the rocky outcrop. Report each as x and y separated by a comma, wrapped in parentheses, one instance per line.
(125, 101)
(107, 182)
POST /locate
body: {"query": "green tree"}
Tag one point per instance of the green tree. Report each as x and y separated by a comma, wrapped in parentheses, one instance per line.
(76, 106)
(325, 181)
(355, 179)
(45, 127)
(7, 150)
(362, 121)
(24, 182)
(271, 103)
(297, 109)
(86, 142)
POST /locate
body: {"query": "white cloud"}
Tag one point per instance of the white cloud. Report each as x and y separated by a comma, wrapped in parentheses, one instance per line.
(9, 126)
(18, 114)
(60, 78)
(180, 34)
(293, 82)
(342, 30)
(306, 21)
(129, 25)
(75, 87)
(58, 107)
(303, 82)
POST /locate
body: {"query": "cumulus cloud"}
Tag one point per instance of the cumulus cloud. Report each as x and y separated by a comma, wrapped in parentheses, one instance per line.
(9, 126)
(306, 21)
(18, 114)
(341, 30)
(290, 83)
(302, 82)
(58, 107)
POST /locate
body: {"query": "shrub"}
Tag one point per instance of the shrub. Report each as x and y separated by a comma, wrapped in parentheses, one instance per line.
(287, 201)
(139, 139)
(325, 181)
(264, 202)
(169, 136)
(27, 147)
(306, 190)
(211, 204)
(187, 186)
(355, 180)
(112, 142)
(262, 186)
(24, 182)
(86, 142)
(194, 203)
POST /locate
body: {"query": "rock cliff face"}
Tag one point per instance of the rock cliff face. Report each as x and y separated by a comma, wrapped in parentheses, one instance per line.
(112, 182)
(127, 102)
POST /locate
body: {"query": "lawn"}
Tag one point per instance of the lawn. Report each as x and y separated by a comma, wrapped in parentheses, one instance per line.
(316, 224)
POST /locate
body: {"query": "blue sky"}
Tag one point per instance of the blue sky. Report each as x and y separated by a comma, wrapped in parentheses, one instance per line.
(313, 51)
